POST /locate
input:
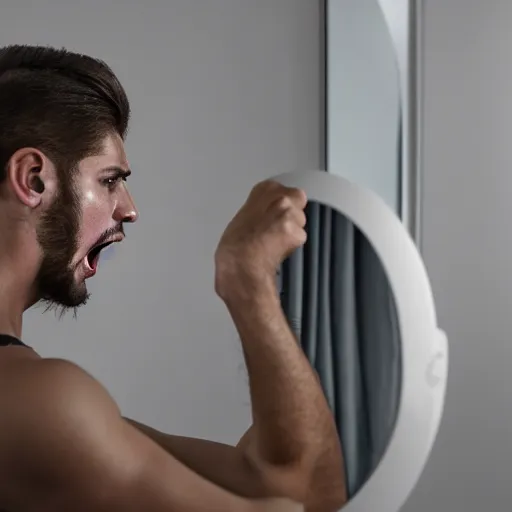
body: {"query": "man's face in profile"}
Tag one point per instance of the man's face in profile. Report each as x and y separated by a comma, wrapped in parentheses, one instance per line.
(86, 216)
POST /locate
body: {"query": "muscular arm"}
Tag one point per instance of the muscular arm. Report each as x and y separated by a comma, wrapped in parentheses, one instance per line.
(293, 424)
(64, 446)
(292, 449)
(228, 467)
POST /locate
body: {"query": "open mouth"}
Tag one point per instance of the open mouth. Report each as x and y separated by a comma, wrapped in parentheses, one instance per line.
(93, 255)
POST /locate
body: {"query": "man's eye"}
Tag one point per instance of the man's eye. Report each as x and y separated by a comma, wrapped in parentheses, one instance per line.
(112, 182)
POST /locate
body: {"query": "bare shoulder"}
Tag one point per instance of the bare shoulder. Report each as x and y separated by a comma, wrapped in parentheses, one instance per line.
(29, 378)
(45, 374)
(53, 416)
(44, 390)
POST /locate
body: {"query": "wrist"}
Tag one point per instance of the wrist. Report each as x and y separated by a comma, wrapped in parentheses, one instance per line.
(245, 288)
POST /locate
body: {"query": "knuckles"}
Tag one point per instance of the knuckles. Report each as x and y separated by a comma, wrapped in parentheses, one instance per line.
(289, 226)
(271, 222)
(293, 231)
(283, 196)
(284, 203)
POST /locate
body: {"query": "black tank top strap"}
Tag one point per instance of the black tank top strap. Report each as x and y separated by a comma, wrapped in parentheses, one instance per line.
(7, 341)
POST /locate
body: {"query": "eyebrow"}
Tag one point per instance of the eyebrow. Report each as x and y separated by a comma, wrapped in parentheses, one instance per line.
(122, 173)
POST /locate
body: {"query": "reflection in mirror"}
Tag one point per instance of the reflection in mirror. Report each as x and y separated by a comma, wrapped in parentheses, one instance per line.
(338, 301)
(364, 135)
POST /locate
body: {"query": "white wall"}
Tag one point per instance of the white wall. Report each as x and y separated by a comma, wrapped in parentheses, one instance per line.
(224, 94)
(467, 245)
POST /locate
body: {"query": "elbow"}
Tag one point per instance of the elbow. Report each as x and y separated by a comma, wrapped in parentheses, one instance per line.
(319, 491)
(317, 488)
(326, 506)
(291, 480)
(328, 496)
(315, 477)
(327, 489)
(329, 502)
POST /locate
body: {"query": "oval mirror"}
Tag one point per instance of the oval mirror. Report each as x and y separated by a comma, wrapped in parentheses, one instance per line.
(358, 297)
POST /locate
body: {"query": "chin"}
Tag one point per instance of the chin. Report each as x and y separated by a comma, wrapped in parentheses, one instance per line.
(65, 299)
(79, 295)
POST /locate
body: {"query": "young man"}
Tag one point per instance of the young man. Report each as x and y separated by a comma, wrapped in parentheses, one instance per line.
(64, 445)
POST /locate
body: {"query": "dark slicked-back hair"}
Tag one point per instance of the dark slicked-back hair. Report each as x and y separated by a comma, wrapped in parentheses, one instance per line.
(60, 102)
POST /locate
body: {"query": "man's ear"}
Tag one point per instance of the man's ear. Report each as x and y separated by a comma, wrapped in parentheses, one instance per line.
(26, 173)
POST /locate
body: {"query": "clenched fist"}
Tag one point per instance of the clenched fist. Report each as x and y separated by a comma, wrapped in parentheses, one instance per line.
(263, 233)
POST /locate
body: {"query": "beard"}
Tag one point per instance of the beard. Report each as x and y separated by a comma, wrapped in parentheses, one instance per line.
(57, 234)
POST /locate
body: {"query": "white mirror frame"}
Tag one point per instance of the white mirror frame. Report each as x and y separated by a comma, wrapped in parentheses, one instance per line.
(424, 345)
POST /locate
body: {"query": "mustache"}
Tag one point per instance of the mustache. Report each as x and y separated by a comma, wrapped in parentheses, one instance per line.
(109, 233)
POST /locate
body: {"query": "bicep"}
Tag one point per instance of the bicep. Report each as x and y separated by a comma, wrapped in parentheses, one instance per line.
(226, 466)
(70, 449)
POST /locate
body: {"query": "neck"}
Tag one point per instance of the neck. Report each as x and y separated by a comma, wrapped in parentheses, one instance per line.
(17, 275)
(11, 321)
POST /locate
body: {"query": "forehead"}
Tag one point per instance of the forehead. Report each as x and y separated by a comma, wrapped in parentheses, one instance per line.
(113, 154)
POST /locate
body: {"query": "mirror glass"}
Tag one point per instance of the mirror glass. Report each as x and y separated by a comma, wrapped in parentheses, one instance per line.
(364, 135)
(337, 299)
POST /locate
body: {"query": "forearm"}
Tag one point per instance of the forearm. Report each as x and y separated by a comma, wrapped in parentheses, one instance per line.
(293, 425)
(295, 438)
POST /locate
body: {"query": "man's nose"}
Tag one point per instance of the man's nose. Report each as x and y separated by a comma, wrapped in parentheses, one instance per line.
(126, 210)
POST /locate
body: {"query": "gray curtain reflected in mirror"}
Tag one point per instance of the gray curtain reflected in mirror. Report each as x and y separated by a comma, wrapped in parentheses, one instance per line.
(338, 301)
(334, 291)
